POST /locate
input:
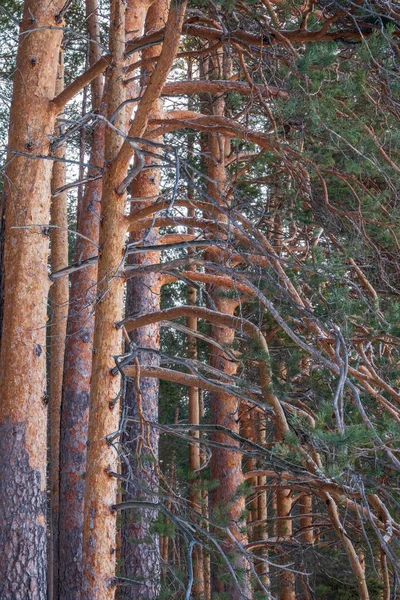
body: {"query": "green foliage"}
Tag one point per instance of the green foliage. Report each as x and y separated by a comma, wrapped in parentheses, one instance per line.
(320, 55)
(162, 526)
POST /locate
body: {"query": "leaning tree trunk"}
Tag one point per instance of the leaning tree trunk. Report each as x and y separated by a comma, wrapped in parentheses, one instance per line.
(140, 547)
(23, 414)
(78, 352)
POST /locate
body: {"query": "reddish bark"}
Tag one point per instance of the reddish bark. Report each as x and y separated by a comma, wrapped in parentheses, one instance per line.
(186, 88)
(99, 533)
(78, 354)
(140, 547)
(284, 530)
(306, 520)
(58, 324)
(245, 38)
(100, 489)
(23, 415)
(225, 465)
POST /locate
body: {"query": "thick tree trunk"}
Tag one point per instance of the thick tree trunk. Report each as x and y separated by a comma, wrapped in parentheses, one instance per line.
(78, 353)
(23, 414)
(140, 547)
(58, 324)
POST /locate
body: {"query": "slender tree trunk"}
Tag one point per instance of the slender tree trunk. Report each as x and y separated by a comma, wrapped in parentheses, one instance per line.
(225, 465)
(58, 324)
(284, 529)
(306, 520)
(79, 350)
(140, 547)
(99, 534)
(2, 232)
(306, 502)
(195, 492)
(262, 504)
(23, 414)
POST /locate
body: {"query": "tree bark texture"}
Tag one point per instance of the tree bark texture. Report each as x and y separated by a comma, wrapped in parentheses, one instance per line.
(285, 530)
(225, 465)
(23, 414)
(141, 547)
(59, 294)
(99, 534)
(78, 352)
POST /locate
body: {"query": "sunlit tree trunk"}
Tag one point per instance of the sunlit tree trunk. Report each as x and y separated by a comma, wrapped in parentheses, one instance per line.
(99, 533)
(306, 520)
(225, 465)
(79, 350)
(100, 489)
(23, 412)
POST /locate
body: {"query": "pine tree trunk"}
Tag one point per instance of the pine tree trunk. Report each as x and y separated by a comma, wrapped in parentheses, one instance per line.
(99, 534)
(306, 520)
(195, 492)
(225, 465)
(58, 324)
(78, 352)
(23, 415)
(140, 547)
(100, 489)
(285, 529)
(262, 568)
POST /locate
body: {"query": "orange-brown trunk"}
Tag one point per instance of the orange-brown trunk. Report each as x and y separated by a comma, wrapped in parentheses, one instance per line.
(225, 465)
(79, 351)
(99, 532)
(141, 547)
(23, 413)
(59, 294)
(284, 530)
